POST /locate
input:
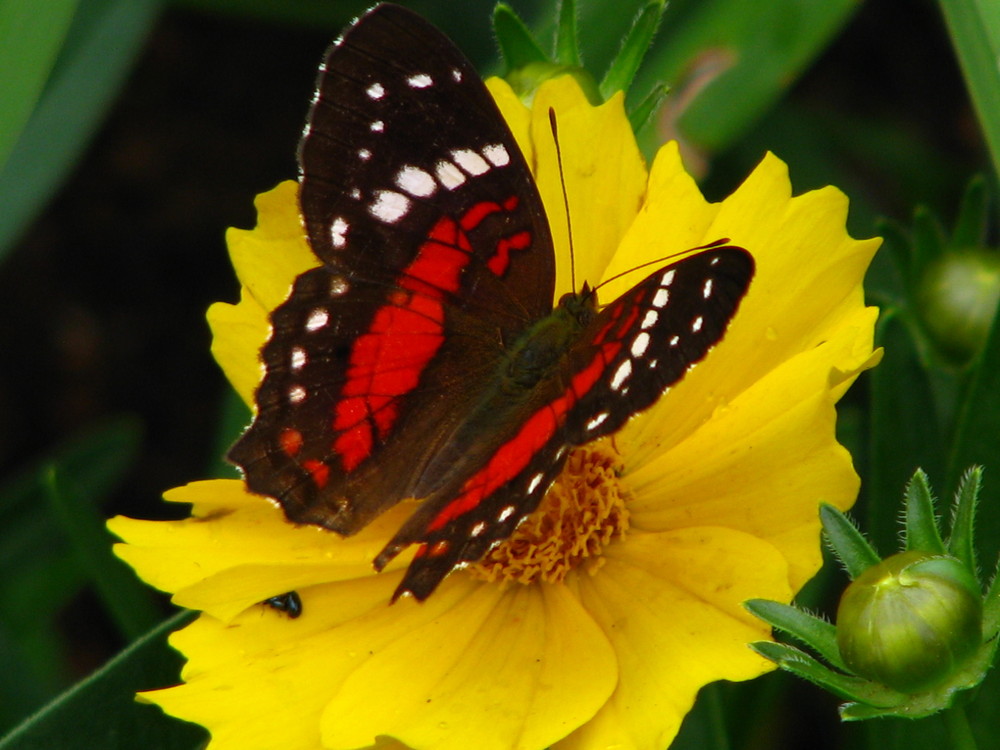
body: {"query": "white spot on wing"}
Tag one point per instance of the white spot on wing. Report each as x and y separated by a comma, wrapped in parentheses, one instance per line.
(338, 233)
(706, 290)
(496, 154)
(675, 340)
(660, 298)
(470, 161)
(338, 286)
(696, 325)
(356, 194)
(621, 375)
(298, 357)
(296, 394)
(650, 320)
(419, 81)
(317, 319)
(375, 91)
(597, 421)
(477, 529)
(389, 206)
(364, 154)
(416, 182)
(456, 75)
(639, 344)
(506, 513)
(377, 126)
(448, 174)
(668, 278)
(535, 481)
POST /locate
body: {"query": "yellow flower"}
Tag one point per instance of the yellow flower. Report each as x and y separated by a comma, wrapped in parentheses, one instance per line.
(621, 595)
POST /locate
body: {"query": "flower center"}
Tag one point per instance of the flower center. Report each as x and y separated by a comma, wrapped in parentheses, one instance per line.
(583, 511)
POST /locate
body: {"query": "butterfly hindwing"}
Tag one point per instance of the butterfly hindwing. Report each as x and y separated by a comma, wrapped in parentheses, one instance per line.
(624, 360)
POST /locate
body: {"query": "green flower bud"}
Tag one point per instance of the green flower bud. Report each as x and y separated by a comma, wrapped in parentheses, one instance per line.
(910, 621)
(958, 298)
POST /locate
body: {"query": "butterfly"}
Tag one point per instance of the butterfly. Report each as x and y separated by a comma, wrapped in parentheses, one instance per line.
(423, 357)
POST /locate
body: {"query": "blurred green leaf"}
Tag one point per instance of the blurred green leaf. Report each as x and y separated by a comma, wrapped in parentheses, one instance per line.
(974, 26)
(125, 597)
(102, 42)
(906, 432)
(765, 46)
(234, 418)
(977, 440)
(31, 34)
(101, 712)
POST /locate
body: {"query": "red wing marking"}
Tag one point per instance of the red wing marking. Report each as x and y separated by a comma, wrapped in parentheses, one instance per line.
(318, 470)
(291, 441)
(387, 361)
(514, 455)
(501, 260)
(405, 334)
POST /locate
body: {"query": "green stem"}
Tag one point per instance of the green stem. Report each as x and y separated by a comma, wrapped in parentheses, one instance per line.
(959, 730)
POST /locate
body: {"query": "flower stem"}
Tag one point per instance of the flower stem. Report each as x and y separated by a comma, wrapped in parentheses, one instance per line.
(959, 730)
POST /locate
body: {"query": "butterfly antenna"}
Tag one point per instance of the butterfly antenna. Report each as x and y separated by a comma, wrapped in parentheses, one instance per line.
(716, 243)
(562, 183)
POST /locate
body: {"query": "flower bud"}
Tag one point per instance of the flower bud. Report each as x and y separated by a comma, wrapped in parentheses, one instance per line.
(910, 621)
(958, 298)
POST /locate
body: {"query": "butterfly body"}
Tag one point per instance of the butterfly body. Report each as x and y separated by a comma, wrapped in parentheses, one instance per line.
(423, 357)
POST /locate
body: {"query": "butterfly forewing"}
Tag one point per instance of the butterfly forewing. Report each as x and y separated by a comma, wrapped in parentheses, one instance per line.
(435, 253)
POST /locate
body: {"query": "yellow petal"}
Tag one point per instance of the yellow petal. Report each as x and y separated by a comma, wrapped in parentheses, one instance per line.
(807, 286)
(242, 550)
(238, 333)
(508, 670)
(762, 463)
(670, 604)
(604, 174)
(269, 257)
(471, 667)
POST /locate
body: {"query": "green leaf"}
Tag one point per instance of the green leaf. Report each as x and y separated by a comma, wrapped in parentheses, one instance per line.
(642, 114)
(101, 711)
(567, 44)
(921, 522)
(127, 599)
(961, 540)
(633, 50)
(801, 664)
(974, 26)
(847, 542)
(31, 34)
(973, 216)
(517, 44)
(817, 634)
(977, 439)
(769, 45)
(102, 42)
(905, 428)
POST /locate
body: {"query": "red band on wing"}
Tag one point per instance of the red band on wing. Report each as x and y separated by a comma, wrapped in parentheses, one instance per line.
(514, 455)
(387, 361)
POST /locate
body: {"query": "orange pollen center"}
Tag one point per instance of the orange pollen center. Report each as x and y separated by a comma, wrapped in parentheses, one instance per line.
(583, 511)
